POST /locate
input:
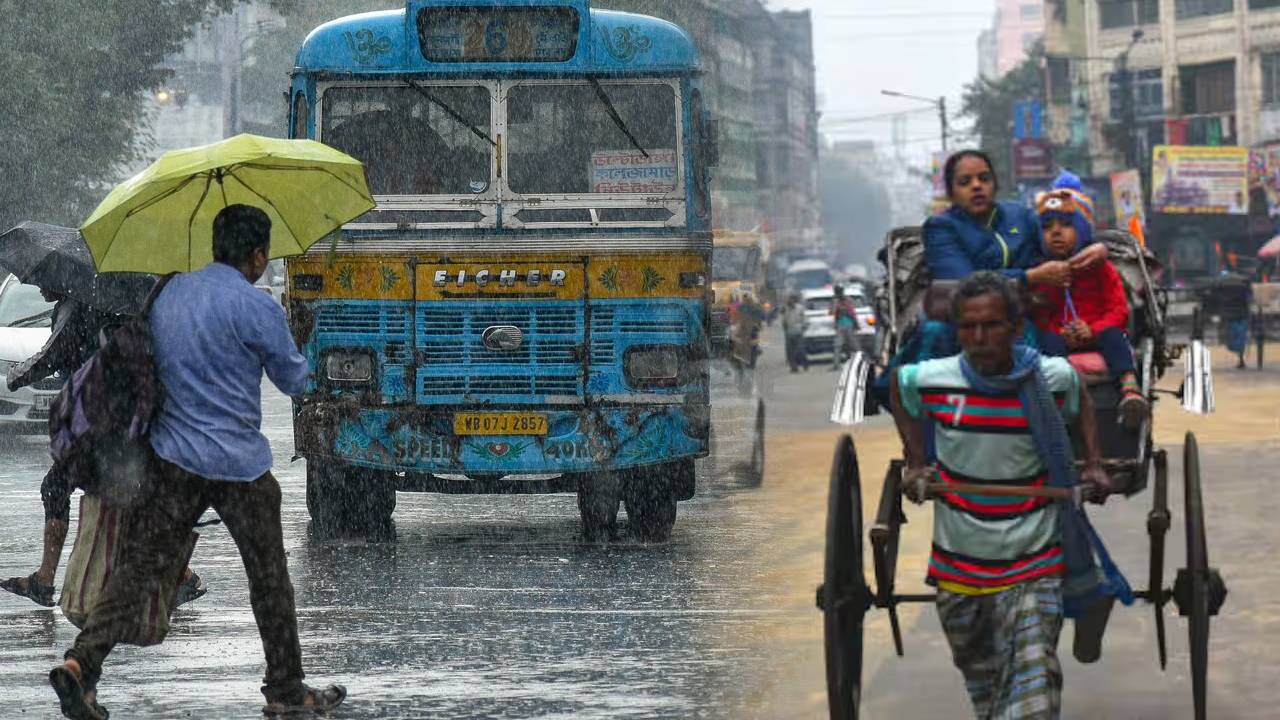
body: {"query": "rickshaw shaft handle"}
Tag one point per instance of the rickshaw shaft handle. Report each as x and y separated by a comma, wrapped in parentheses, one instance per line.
(1053, 493)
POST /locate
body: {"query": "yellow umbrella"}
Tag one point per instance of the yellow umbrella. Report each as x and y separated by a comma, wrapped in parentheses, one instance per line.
(161, 220)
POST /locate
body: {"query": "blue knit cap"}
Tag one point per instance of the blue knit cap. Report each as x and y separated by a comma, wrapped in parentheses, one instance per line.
(1067, 200)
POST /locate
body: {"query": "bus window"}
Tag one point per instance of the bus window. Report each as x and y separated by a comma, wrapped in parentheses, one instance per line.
(300, 115)
(734, 263)
(563, 139)
(701, 190)
(410, 144)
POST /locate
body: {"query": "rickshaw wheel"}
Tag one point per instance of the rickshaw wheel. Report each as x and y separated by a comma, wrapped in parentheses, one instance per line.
(1158, 522)
(845, 597)
(1198, 590)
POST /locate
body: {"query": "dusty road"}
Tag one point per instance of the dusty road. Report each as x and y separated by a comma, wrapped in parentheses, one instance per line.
(483, 607)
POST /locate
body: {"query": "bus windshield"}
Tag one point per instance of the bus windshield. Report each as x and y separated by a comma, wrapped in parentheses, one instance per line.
(733, 263)
(565, 138)
(809, 279)
(413, 140)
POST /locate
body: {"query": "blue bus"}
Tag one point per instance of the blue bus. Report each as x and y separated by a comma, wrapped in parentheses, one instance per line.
(526, 309)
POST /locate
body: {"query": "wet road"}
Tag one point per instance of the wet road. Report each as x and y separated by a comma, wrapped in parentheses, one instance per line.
(481, 607)
(474, 607)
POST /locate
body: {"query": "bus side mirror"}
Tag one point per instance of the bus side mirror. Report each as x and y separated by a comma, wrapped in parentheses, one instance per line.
(711, 142)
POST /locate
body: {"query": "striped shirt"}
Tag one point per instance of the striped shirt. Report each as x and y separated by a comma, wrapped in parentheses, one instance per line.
(987, 544)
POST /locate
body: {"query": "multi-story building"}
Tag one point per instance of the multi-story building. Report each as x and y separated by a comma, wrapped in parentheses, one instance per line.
(203, 101)
(1018, 25)
(786, 87)
(988, 50)
(761, 88)
(1204, 72)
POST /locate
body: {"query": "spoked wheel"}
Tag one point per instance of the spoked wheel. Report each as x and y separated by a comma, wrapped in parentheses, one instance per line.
(1158, 522)
(844, 596)
(1199, 590)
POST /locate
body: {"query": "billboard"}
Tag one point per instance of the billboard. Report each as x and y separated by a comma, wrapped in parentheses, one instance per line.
(1200, 180)
(1126, 196)
(1032, 159)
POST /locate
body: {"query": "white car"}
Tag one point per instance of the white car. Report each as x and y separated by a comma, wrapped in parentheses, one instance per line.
(25, 322)
(820, 326)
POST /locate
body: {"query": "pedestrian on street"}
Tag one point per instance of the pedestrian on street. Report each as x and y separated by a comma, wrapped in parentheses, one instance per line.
(213, 336)
(793, 321)
(999, 567)
(1236, 298)
(846, 318)
(73, 339)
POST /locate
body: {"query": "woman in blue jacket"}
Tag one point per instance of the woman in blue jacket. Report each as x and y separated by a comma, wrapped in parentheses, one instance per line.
(978, 233)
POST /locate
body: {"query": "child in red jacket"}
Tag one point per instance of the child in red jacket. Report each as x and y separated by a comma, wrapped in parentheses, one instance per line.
(1093, 313)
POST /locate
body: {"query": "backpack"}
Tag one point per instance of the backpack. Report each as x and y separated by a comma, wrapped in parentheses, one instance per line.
(108, 404)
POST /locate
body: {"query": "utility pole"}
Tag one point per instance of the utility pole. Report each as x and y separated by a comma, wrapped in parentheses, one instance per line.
(942, 115)
(1128, 108)
(940, 103)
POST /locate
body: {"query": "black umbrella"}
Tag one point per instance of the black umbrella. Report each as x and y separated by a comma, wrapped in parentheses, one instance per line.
(56, 259)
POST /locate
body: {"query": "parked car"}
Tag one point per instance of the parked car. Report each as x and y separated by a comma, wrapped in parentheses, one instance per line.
(25, 323)
(820, 326)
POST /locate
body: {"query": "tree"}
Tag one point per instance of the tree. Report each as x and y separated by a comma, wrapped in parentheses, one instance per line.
(76, 81)
(989, 103)
(856, 209)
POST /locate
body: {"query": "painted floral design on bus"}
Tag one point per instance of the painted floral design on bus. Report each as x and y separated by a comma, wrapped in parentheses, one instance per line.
(368, 47)
(625, 43)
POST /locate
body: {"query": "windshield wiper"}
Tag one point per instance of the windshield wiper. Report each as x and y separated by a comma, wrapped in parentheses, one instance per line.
(31, 321)
(613, 113)
(457, 116)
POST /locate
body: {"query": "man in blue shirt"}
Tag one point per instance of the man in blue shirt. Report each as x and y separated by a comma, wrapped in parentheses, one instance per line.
(213, 334)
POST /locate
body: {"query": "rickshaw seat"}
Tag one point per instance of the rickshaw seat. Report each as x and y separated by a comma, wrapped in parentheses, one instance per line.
(1092, 367)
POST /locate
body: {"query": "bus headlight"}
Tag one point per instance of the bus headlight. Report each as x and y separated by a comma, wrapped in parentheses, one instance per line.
(654, 365)
(349, 366)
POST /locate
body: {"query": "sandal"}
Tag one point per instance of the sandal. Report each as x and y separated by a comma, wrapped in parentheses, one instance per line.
(71, 696)
(310, 702)
(193, 588)
(1134, 409)
(30, 587)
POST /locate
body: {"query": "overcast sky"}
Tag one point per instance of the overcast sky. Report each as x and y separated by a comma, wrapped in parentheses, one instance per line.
(921, 47)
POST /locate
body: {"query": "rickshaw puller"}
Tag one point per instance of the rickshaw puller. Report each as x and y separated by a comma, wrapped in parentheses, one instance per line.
(998, 563)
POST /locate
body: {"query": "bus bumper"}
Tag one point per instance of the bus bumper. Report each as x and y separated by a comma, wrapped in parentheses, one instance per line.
(579, 440)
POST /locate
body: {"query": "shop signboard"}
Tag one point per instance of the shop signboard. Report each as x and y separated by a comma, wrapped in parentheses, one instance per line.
(1207, 180)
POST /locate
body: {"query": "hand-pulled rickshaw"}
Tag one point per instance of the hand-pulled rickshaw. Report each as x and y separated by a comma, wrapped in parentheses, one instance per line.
(1130, 458)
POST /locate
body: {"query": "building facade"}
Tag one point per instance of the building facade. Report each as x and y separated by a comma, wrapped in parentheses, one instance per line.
(761, 88)
(1017, 26)
(1204, 72)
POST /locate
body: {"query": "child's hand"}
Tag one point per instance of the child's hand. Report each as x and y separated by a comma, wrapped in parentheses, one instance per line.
(1055, 272)
(1077, 335)
(1090, 256)
(1083, 333)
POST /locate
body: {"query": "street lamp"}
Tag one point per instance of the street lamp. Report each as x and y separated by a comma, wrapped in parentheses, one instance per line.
(940, 103)
(1129, 111)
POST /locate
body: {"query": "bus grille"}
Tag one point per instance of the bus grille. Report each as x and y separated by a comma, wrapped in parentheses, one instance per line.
(455, 366)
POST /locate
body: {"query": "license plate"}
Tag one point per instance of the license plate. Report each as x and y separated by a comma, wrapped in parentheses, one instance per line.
(44, 402)
(499, 424)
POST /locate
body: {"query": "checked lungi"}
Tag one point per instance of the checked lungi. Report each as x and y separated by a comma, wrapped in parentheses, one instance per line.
(1005, 644)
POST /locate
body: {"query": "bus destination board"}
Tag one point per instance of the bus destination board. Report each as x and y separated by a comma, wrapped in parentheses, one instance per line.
(469, 34)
